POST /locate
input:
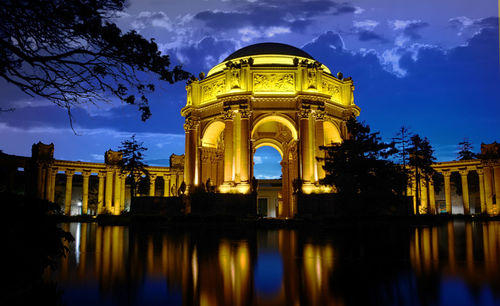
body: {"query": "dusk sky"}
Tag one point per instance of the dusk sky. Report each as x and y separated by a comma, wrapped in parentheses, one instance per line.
(430, 65)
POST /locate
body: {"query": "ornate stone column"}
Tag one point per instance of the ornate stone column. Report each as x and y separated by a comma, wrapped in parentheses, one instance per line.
(319, 141)
(496, 172)
(109, 190)
(69, 185)
(228, 147)
(447, 191)
(166, 186)
(424, 205)
(480, 174)
(39, 180)
(152, 184)
(85, 191)
(488, 189)
(53, 174)
(123, 181)
(48, 182)
(117, 192)
(305, 147)
(100, 196)
(465, 191)
(191, 166)
(432, 198)
(245, 138)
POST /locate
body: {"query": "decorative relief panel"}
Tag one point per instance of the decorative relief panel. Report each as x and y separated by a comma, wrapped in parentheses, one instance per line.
(279, 82)
(212, 89)
(333, 90)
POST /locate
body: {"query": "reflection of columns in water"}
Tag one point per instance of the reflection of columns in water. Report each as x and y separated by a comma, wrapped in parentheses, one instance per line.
(491, 242)
(234, 264)
(69, 185)
(435, 247)
(469, 247)
(451, 246)
(447, 191)
(82, 261)
(287, 242)
(85, 191)
(465, 191)
(318, 265)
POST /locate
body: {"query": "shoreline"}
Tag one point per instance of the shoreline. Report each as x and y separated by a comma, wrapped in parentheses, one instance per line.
(229, 222)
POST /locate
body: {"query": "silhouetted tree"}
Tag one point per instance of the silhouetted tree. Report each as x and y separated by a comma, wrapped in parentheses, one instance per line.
(465, 152)
(421, 159)
(71, 52)
(132, 162)
(402, 142)
(361, 172)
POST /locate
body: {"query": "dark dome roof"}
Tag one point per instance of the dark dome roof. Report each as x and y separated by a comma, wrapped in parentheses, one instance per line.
(268, 48)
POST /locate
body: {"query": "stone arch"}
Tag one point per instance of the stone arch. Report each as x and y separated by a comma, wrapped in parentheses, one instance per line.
(211, 134)
(331, 132)
(284, 120)
(273, 143)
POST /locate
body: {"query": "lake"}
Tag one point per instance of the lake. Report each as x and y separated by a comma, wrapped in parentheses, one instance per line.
(455, 263)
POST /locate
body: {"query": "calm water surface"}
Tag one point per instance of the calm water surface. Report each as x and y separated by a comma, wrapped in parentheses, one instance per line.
(453, 264)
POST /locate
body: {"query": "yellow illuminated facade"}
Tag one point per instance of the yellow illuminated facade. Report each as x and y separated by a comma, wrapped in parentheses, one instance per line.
(264, 95)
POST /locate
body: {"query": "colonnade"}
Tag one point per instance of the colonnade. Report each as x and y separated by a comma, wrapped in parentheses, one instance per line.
(489, 187)
(111, 180)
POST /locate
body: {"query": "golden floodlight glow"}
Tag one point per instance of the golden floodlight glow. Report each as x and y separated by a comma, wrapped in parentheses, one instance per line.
(286, 100)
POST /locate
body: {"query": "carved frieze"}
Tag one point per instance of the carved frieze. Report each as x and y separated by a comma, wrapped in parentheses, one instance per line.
(333, 90)
(275, 82)
(211, 90)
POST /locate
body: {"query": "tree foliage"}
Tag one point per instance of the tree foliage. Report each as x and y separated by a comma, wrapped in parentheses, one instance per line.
(420, 161)
(360, 170)
(465, 150)
(132, 162)
(70, 52)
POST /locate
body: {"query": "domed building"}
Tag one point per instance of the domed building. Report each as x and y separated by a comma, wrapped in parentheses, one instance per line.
(267, 94)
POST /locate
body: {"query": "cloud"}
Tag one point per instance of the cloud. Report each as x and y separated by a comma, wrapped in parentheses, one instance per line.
(409, 28)
(367, 24)
(156, 19)
(294, 16)
(257, 159)
(205, 53)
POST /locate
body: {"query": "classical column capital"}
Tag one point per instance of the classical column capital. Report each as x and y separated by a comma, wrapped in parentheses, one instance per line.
(304, 113)
(54, 171)
(69, 172)
(228, 114)
(319, 114)
(191, 123)
(101, 174)
(446, 173)
(245, 113)
(479, 171)
(463, 172)
(86, 173)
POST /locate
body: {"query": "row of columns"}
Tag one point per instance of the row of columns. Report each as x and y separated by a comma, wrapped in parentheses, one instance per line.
(111, 187)
(489, 190)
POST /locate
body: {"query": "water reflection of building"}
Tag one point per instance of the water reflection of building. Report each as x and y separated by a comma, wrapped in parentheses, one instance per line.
(469, 249)
(211, 268)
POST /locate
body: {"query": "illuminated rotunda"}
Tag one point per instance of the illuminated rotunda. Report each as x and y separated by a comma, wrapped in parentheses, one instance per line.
(265, 94)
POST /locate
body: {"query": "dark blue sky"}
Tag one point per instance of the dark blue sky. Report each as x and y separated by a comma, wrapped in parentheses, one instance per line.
(430, 65)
